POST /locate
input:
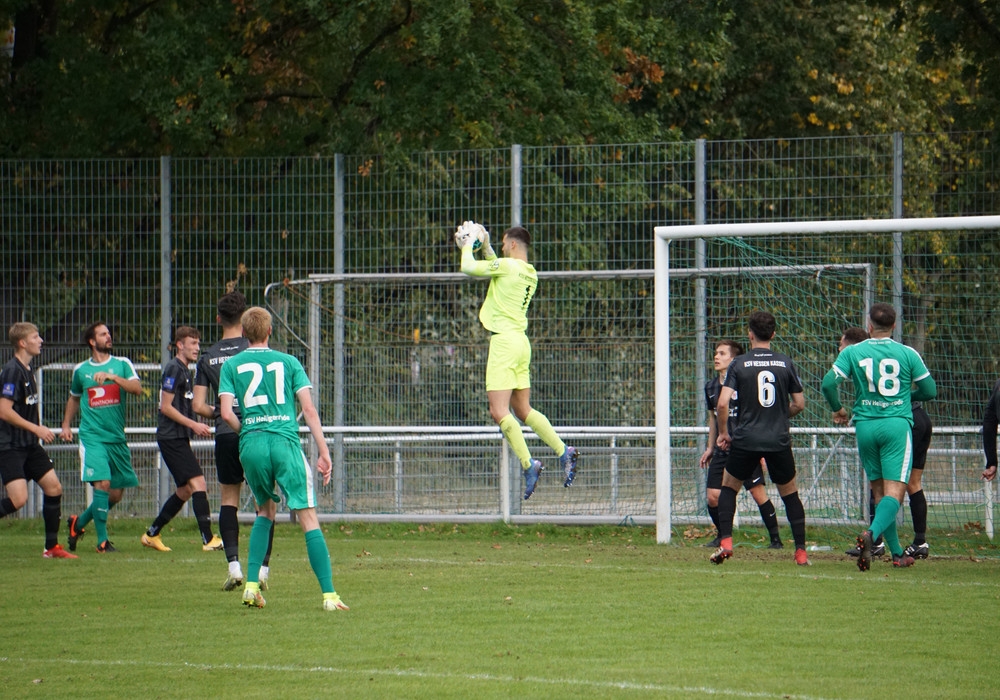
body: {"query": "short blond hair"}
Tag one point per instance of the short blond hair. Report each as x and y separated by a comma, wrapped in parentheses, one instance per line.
(256, 324)
(20, 331)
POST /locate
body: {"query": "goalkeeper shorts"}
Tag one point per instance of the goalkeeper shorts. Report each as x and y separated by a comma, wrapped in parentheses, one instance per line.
(509, 362)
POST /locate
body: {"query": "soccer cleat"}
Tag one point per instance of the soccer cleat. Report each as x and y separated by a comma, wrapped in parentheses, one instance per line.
(263, 584)
(865, 545)
(902, 560)
(568, 464)
(74, 533)
(213, 545)
(917, 551)
(853, 552)
(105, 547)
(57, 552)
(232, 582)
(878, 549)
(531, 476)
(776, 544)
(332, 601)
(154, 542)
(720, 555)
(801, 558)
(714, 544)
(252, 597)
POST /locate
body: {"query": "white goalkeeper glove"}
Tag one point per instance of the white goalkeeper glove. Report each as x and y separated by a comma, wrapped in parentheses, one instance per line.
(464, 234)
(487, 248)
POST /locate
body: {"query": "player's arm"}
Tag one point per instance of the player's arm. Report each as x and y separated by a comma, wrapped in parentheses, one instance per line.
(797, 404)
(990, 422)
(167, 409)
(199, 403)
(9, 415)
(713, 435)
(226, 411)
(831, 392)
(311, 416)
(722, 418)
(72, 408)
(926, 389)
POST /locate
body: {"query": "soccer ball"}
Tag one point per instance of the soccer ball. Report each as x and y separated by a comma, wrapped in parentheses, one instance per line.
(469, 228)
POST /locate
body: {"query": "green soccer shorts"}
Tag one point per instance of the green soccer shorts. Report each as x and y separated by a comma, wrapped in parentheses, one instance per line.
(107, 461)
(509, 363)
(886, 448)
(270, 457)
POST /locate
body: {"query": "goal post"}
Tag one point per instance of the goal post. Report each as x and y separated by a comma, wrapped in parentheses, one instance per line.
(665, 236)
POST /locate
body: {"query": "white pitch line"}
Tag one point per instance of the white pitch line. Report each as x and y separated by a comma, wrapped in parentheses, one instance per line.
(411, 673)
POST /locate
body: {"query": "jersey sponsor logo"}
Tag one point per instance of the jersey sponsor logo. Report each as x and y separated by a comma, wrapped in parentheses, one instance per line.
(9, 389)
(104, 396)
(168, 384)
(495, 264)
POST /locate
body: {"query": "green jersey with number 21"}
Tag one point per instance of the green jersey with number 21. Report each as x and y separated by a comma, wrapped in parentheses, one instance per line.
(883, 372)
(265, 383)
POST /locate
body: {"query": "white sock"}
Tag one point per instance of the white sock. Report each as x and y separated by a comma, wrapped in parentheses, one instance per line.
(264, 571)
(234, 569)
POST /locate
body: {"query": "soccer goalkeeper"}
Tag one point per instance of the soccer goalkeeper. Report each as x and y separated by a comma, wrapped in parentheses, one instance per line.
(504, 314)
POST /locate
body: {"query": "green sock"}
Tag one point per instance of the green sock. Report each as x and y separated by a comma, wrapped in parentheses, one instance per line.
(885, 515)
(543, 429)
(319, 559)
(511, 430)
(99, 512)
(260, 535)
(85, 517)
(891, 539)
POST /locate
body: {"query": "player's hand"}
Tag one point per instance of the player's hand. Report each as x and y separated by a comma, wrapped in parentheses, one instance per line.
(202, 430)
(45, 435)
(484, 235)
(325, 468)
(67, 434)
(464, 234)
(989, 473)
(841, 417)
(706, 457)
(723, 441)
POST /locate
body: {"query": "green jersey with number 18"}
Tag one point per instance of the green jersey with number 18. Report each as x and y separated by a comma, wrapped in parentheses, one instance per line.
(883, 372)
(265, 383)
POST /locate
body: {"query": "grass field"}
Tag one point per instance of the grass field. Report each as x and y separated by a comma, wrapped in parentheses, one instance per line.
(492, 611)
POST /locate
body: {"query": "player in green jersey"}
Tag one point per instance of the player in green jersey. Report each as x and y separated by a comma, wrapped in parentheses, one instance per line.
(98, 393)
(883, 372)
(508, 368)
(266, 383)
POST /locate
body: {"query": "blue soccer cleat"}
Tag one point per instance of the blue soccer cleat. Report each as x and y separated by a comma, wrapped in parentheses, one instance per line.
(568, 464)
(531, 475)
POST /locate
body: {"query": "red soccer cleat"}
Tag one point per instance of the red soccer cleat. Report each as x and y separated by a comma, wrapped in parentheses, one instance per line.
(57, 552)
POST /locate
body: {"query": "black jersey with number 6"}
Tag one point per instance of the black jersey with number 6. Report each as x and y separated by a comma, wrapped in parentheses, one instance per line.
(763, 381)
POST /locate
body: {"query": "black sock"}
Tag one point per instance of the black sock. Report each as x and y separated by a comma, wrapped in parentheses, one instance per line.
(203, 513)
(770, 518)
(170, 508)
(918, 511)
(727, 511)
(51, 516)
(270, 542)
(796, 514)
(229, 530)
(713, 513)
(6, 507)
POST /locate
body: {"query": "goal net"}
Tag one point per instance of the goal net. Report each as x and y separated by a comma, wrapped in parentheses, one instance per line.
(833, 271)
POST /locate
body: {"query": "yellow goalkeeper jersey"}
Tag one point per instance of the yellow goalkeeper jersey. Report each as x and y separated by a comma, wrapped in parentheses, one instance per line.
(512, 285)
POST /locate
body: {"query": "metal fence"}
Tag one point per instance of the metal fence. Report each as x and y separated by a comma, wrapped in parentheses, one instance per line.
(149, 244)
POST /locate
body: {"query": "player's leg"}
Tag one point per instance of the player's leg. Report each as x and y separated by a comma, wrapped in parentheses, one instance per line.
(230, 475)
(781, 467)
(739, 466)
(895, 459)
(713, 488)
(755, 486)
(39, 468)
(921, 431)
(258, 454)
(17, 495)
(174, 503)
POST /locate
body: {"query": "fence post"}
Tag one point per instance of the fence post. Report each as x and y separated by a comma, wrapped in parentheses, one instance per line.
(339, 475)
(166, 295)
(897, 237)
(515, 185)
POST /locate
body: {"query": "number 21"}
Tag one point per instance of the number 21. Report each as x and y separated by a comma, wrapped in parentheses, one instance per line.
(250, 398)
